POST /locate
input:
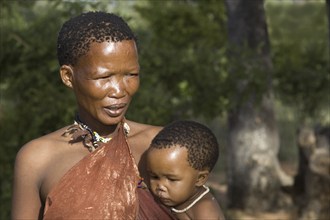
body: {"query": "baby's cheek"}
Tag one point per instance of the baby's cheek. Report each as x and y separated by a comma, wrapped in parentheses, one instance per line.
(152, 187)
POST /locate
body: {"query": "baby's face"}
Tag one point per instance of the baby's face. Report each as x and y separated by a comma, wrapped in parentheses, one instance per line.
(172, 179)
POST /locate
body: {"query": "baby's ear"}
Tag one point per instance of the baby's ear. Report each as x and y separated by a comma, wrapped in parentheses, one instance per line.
(66, 74)
(202, 177)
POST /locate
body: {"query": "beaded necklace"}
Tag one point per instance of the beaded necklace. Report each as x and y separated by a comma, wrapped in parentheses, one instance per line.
(95, 136)
(91, 139)
(193, 203)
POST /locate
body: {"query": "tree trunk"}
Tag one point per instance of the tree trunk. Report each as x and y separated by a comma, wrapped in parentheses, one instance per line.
(312, 182)
(254, 174)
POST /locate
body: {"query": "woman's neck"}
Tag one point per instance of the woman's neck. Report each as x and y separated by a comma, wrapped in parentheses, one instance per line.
(95, 125)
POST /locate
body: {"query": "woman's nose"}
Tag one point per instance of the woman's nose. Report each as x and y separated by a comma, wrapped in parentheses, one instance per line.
(116, 87)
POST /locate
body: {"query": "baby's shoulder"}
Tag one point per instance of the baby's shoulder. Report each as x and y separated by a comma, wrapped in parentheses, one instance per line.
(209, 203)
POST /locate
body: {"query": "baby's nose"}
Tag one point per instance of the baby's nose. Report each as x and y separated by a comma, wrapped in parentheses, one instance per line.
(160, 188)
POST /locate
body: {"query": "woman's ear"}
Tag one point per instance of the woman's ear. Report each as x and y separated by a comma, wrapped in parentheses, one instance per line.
(66, 73)
(203, 175)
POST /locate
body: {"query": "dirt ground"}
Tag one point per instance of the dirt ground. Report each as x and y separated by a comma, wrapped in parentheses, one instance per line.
(217, 182)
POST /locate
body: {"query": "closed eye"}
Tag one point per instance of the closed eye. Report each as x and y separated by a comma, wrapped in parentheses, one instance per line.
(132, 74)
(172, 178)
(107, 76)
(153, 176)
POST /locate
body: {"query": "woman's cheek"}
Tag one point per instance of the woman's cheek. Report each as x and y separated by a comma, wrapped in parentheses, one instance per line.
(132, 85)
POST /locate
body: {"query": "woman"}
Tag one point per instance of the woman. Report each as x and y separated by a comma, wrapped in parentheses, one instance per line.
(93, 168)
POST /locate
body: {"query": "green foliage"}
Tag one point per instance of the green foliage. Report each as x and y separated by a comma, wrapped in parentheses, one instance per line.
(301, 56)
(182, 56)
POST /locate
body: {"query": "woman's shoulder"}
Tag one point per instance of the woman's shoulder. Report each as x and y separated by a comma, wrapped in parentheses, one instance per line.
(143, 130)
(39, 150)
(140, 136)
(46, 141)
(43, 161)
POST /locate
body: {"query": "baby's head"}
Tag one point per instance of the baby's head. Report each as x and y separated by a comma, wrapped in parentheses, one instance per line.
(179, 160)
(200, 142)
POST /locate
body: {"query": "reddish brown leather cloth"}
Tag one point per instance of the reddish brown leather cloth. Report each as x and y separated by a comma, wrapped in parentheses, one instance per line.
(148, 209)
(103, 185)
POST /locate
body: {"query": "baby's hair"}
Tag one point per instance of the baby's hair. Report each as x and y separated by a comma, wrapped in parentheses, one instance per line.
(200, 142)
(79, 32)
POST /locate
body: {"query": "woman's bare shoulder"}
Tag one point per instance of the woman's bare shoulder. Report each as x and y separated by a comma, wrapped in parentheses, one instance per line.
(144, 130)
(39, 150)
(140, 136)
(35, 163)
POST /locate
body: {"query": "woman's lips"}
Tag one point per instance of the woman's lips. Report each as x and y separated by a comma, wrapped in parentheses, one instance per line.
(115, 110)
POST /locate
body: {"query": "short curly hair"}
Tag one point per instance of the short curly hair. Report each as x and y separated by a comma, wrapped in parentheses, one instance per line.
(79, 32)
(199, 140)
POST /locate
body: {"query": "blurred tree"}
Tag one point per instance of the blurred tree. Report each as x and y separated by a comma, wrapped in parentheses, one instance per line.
(254, 174)
(301, 58)
(300, 53)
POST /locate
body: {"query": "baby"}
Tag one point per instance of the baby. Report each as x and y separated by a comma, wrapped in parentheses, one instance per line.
(179, 161)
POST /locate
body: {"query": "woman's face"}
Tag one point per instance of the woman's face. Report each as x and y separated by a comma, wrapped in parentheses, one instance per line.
(105, 80)
(172, 179)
